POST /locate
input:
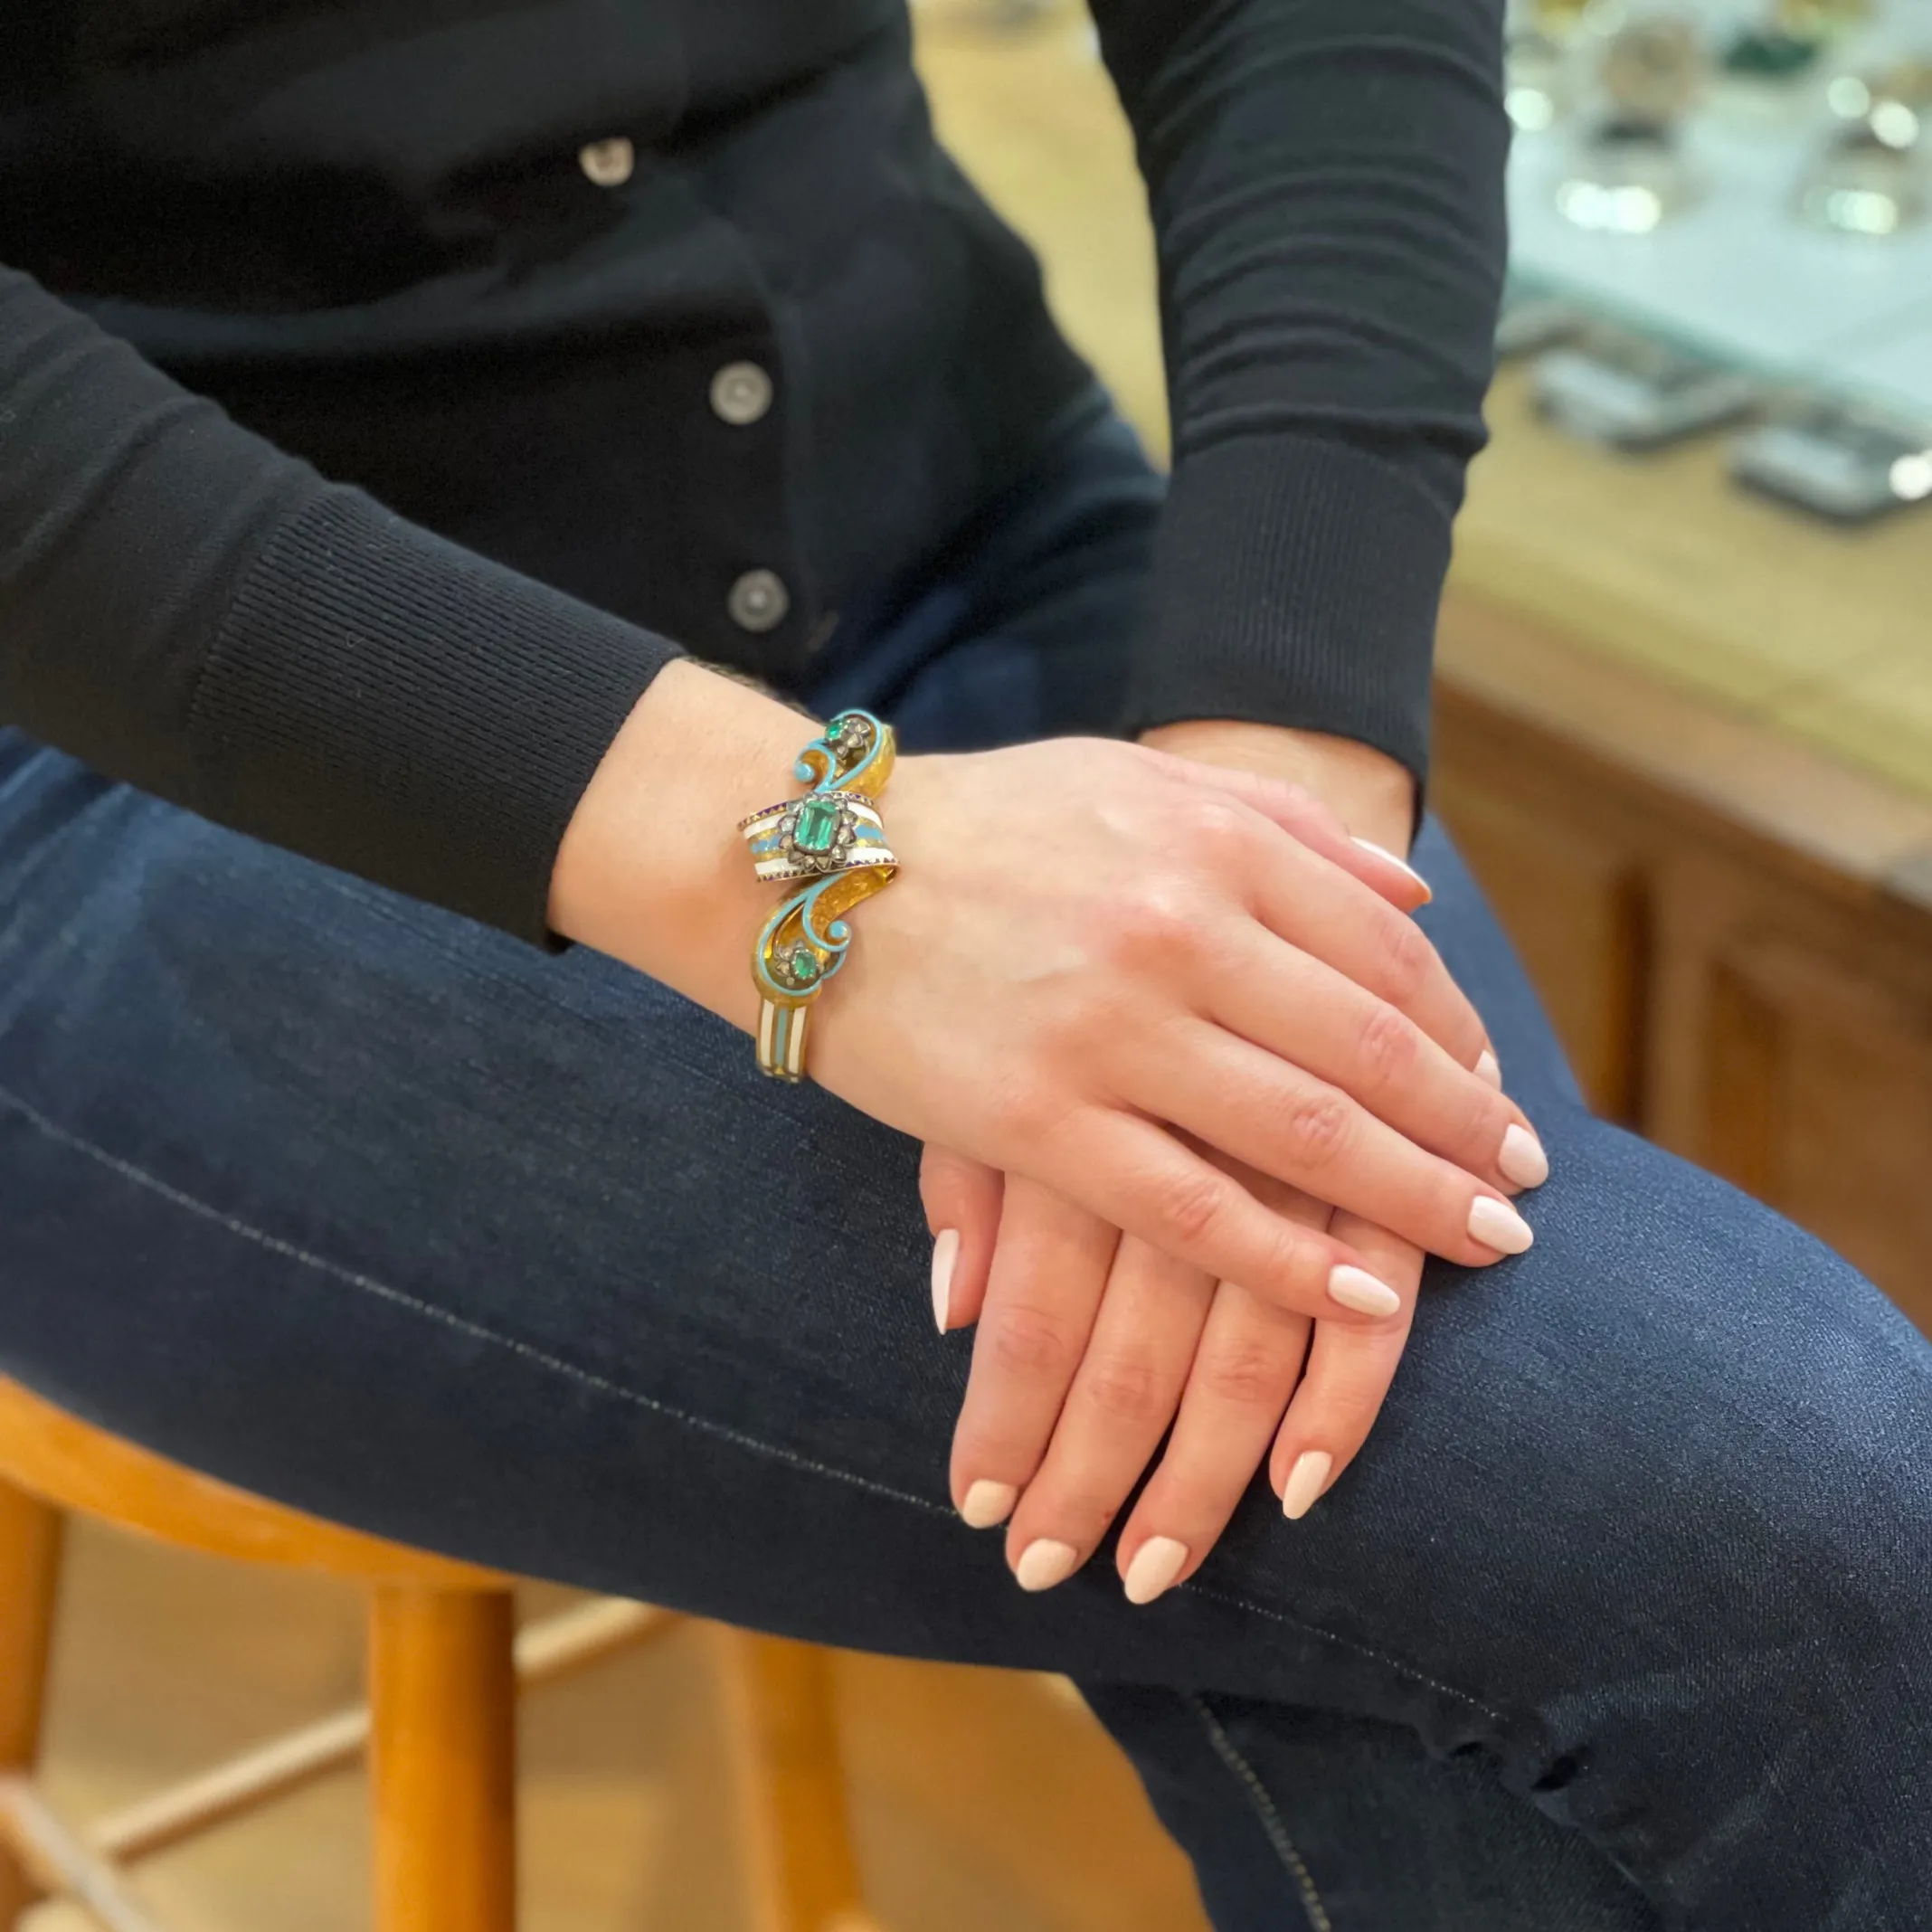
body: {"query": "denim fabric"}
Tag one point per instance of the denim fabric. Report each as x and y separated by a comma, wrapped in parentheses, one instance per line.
(1624, 1618)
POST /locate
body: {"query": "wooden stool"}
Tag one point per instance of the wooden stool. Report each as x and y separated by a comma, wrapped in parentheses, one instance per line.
(444, 1664)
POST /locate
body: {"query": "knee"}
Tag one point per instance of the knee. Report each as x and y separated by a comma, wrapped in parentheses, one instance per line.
(1704, 1395)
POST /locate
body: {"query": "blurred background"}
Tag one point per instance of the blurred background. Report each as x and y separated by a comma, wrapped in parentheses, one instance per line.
(1685, 734)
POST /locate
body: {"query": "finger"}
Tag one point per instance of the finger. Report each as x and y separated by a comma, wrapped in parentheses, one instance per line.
(1272, 1115)
(1148, 1182)
(1049, 1269)
(1308, 819)
(1299, 813)
(1121, 1399)
(1243, 1375)
(1305, 1012)
(1314, 905)
(1347, 1380)
(963, 1200)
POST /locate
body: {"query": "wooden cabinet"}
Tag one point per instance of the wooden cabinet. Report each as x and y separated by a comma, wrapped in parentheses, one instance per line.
(1733, 936)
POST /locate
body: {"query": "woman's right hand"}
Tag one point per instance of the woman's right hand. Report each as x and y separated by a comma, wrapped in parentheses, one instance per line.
(1097, 961)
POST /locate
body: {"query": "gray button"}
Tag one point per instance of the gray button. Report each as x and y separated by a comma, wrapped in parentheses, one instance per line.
(741, 392)
(609, 163)
(759, 601)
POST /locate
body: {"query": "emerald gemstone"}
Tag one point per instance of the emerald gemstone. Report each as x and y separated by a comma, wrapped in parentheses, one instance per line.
(804, 965)
(818, 826)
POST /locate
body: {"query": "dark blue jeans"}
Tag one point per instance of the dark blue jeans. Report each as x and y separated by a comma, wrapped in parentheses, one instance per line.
(1624, 1618)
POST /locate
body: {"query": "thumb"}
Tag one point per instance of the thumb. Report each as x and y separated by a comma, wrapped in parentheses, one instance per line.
(963, 1200)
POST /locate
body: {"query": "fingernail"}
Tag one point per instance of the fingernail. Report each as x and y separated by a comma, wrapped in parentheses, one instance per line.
(1497, 1225)
(1155, 1566)
(1522, 1159)
(1487, 1069)
(987, 1503)
(1305, 1482)
(945, 1252)
(1358, 1289)
(1044, 1564)
(1368, 845)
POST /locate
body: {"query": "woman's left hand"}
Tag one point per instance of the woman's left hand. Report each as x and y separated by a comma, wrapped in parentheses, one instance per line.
(1091, 1344)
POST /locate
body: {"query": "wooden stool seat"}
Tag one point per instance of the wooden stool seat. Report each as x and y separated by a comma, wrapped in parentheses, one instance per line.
(444, 1664)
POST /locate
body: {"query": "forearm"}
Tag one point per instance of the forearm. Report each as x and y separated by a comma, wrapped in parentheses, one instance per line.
(188, 609)
(1326, 181)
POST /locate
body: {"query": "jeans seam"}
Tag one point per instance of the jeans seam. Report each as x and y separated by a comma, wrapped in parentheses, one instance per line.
(1269, 1815)
(1360, 1649)
(461, 1324)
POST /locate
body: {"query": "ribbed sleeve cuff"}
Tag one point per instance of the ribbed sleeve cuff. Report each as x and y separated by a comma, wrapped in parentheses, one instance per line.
(1295, 582)
(395, 705)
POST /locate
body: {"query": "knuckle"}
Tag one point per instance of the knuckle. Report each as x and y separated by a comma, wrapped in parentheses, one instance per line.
(1405, 960)
(1026, 1110)
(1190, 1207)
(1033, 1345)
(1389, 1048)
(1123, 1387)
(1488, 1119)
(1317, 1131)
(1218, 831)
(1244, 1375)
(1159, 921)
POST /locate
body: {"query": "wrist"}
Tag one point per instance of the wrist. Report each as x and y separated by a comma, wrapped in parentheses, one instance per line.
(1373, 795)
(651, 868)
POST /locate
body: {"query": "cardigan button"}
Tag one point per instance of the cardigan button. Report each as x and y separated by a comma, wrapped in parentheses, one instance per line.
(741, 392)
(608, 164)
(759, 601)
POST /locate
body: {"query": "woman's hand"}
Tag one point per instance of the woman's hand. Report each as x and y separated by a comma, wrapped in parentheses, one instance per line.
(1099, 965)
(1090, 1345)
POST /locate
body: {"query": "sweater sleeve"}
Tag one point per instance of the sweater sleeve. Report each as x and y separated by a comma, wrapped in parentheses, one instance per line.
(1326, 181)
(186, 608)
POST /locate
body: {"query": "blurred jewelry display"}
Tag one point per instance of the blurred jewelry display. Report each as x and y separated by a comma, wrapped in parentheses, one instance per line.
(1870, 180)
(1837, 461)
(1872, 176)
(1631, 392)
(1629, 172)
(1744, 189)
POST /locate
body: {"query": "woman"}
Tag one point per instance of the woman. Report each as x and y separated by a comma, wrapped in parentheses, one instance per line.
(382, 389)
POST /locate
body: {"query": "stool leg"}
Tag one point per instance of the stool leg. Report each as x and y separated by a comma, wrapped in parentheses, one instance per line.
(30, 1575)
(442, 1698)
(785, 1738)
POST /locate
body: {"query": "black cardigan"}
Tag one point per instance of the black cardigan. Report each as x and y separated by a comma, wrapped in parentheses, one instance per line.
(358, 455)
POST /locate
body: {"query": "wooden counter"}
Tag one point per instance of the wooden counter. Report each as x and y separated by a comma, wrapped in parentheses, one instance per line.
(1684, 736)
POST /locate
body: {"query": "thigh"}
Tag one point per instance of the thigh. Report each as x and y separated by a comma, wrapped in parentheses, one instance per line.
(382, 1214)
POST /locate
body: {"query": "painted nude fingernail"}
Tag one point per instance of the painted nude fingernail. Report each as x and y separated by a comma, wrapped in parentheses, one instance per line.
(945, 1254)
(1487, 1069)
(1522, 1159)
(1358, 1289)
(986, 1505)
(1044, 1564)
(1155, 1566)
(1306, 1481)
(1401, 865)
(1497, 1225)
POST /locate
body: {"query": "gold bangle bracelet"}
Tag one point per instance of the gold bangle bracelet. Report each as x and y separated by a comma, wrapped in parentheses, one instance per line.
(834, 840)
